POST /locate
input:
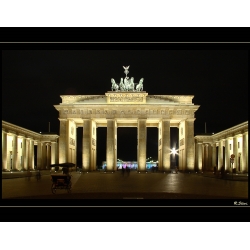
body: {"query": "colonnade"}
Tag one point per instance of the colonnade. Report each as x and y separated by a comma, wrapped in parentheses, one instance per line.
(23, 149)
(217, 150)
(89, 140)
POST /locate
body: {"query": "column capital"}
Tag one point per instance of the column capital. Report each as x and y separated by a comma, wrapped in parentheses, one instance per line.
(141, 119)
(62, 119)
(237, 135)
(190, 119)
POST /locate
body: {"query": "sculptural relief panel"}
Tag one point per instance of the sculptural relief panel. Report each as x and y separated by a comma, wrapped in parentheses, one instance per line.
(179, 112)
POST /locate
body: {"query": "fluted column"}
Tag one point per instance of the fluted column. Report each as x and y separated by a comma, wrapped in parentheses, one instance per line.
(63, 141)
(53, 153)
(220, 155)
(14, 152)
(166, 145)
(31, 159)
(160, 146)
(227, 154)
(44, 155)
(235, 151)
(86, 146)
(190, 143)
(4, 151)
(48, 156)
(199, 156)
(39, 155)
(206, 157)
(245, 152)
(142, 144)
(57, 152)
(25, 152)
(110, 149)
(214, 163)
(210, 166)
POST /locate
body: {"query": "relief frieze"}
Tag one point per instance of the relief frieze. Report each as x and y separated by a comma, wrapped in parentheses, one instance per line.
(71, 141)
(182, 142)
(178, 112)
(126, 99)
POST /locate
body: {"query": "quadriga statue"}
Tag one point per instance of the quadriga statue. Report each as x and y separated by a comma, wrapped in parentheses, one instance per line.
(114, 86)
(139, 86)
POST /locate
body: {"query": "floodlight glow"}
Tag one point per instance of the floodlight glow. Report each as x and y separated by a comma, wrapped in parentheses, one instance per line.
(174, 151)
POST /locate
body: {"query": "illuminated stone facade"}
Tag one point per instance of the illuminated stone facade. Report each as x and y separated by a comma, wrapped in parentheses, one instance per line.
(23, 149)
(126, 109)
(216, 150)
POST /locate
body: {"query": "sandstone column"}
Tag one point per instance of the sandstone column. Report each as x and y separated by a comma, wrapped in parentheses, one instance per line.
(190, 143)
(227, 154)
(39, 155)
(110, 150)
(142, 144)
(214, 163)
(235, 151)
(4, 151)
(53, 153)
(205, 157)
(63, 141)
(199, 157)
(31, 158)
(86, 146)
(48, 156)
(44, 155)
(159, 146)
(166, 145)
(220, 155)
(245, 152)
(25, 153)
(14, 152)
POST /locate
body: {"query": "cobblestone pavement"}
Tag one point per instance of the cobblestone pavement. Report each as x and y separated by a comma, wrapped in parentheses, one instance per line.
(101, 185)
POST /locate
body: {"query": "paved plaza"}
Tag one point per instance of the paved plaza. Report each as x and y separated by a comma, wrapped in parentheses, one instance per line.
(101, 185)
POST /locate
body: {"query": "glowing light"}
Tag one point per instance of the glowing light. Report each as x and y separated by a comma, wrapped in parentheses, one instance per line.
(174, 151)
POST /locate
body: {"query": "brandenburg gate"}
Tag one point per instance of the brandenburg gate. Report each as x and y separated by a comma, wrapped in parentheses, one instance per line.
(126, 105)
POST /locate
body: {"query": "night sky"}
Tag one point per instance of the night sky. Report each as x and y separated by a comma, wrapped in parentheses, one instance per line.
(33, 80)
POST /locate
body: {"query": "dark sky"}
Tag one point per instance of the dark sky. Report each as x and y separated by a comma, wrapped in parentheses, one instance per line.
(33, 80)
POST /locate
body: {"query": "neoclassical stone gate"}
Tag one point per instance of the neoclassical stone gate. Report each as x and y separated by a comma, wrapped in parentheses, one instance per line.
(126, 109)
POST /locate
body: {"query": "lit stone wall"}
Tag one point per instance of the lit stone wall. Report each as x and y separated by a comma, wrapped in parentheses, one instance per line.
(18, 148)
(232, 141)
